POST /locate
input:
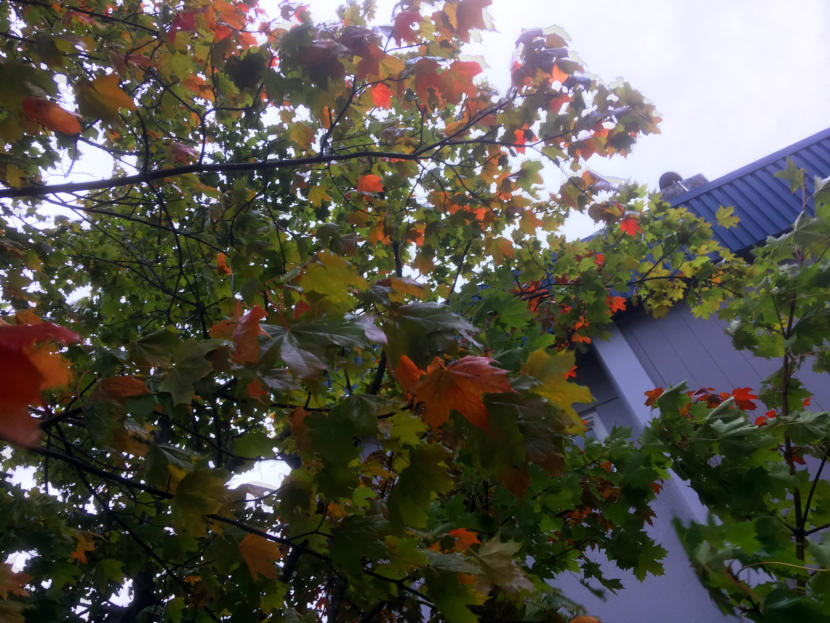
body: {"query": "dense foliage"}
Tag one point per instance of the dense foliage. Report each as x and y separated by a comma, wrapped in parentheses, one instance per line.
(765, 552)
(329, 247)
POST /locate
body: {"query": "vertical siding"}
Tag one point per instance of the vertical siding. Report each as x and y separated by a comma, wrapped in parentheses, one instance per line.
(681, 347)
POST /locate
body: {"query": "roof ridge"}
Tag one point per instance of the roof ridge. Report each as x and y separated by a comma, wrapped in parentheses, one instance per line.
(752, 166)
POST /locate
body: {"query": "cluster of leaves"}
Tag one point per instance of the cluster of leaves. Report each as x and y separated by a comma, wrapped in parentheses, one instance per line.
(765, 552)
(243, 288)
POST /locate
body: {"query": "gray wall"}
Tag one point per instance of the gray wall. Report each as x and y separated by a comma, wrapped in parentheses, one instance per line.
(681, 347)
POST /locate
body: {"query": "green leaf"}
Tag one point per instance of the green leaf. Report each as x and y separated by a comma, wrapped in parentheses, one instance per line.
(725, 217)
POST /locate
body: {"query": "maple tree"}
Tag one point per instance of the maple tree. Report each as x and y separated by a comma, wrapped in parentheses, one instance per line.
(326, 246)
(765, 551)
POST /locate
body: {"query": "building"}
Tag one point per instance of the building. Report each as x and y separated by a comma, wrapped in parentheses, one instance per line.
(644, 352)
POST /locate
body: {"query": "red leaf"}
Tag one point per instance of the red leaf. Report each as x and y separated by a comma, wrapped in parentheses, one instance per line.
(760, 421)
(28, 369)
(402, 30)
(743, 398)
(459, 387)
(246, 336)
(381, 95)
(806, 402)
(255, 390)
(630, 225)
(51, 116)
(653, 395)
(186, 20)
(464, 538)
(370, 184)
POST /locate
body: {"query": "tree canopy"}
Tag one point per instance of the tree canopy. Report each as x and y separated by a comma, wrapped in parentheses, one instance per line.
(329, 246)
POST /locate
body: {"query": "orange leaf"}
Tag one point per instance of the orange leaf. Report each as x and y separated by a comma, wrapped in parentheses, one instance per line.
(585, 619)
(84, 545)
(653, 395)
(260, 554)
(246, 336)
(381, 95)
(299, 430)
(464, 537)
(222, 264)
(114, 97)
(630, 225)
(408, 374)
(459, 387)
(616, 303)
(28, 369)
(50, 115)
(370, 184)
(120, 387)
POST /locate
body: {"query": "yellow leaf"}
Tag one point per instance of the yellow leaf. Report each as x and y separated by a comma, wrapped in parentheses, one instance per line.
(260, 554)
(725, 217)
(317, 195)
(331, 277)
(102, 98)
(551, 370)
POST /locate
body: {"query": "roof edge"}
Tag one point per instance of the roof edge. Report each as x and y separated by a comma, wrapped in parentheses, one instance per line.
(762, 162)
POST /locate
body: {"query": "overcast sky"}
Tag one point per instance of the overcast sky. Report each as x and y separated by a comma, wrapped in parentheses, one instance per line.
(734, 80)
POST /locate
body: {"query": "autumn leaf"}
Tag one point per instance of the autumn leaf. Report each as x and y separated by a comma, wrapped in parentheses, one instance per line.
(616, 303)
(246, 336)
(408, 374)
(120, 387)
(402, 29)
(551, 371)
(102, 98)
(51, 116)
(222, 264)
(470, 16)
(585, 619)
(12, 583)
(260, 554)
(381, 95)
(630, 225)
(459, 386)
(84, 545)
(29, 367)
(464, 538)
(370, 184)
(743, 398)
(725, 217)
(652, 396)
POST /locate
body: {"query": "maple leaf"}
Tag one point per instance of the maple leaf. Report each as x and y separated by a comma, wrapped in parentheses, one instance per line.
(616, 303)
(185, 20)
(370, 184)
(52, 116)
(246, 336)
(222, 264)
(470, 16)
(743, 398)
(260, 554)
(653, 395)
(381, 95)
(464, 538)
(551, 370)
(84, 545)
(408, 374)
(402, 29)
(12, 583)
(459, 387)
(28, 369)
(630, 225)
(102, 98)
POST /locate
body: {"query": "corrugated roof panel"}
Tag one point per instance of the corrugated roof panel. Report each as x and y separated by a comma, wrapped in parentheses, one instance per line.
(762, 201)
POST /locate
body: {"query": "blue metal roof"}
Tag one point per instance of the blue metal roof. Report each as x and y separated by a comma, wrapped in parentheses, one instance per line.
(763, 202)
